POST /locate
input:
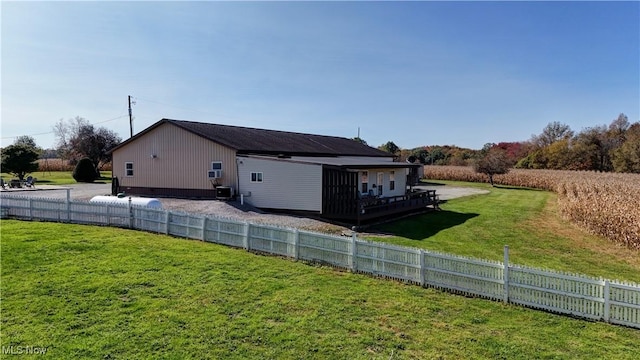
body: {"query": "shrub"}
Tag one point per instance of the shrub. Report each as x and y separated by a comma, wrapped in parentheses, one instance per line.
(85, 171)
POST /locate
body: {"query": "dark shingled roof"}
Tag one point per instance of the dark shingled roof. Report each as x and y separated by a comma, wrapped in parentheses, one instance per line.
(272, 142)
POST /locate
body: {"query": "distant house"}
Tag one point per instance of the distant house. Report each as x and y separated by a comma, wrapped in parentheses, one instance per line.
(333, 177)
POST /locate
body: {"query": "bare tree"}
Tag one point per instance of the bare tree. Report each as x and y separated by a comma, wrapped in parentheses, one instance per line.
(64, 132)
(551, 133)
(77, 138)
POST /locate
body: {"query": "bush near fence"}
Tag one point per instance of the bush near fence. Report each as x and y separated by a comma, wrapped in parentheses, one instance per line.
(578, 295)
(605, 204)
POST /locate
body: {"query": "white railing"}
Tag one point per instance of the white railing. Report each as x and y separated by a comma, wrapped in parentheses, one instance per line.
(578, 295)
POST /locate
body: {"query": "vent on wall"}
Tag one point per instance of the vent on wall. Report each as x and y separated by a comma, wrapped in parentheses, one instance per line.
(215, 174)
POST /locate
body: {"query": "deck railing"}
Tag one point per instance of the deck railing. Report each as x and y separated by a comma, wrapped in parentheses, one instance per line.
(376, 207)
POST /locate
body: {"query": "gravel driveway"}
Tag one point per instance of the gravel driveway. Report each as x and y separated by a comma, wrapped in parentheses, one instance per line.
(226, 209)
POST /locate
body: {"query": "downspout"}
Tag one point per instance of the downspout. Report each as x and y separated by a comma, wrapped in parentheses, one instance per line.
(237, 175)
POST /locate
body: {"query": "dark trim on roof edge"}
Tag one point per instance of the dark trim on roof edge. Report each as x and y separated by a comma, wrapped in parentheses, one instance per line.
(179, 123)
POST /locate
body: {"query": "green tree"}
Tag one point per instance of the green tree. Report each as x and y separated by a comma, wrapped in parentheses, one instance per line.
(420, 154)
(558, 155)
(436, 156)
(26, 140)
(19, 160)
(390, 147)
(492, 161)
(626, 158)
(360, 140)
(85, 171)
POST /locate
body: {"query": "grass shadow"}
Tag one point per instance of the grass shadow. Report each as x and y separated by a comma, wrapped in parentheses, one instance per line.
(423, 226)
(430, 183)
(506, 187)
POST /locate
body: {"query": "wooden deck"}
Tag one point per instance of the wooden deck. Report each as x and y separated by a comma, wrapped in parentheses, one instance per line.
(342, 201)
(371, 208)
(366, 209)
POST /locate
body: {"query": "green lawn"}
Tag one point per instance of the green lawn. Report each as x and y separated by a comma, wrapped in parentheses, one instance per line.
(59, 177)
(98, 292)
(527, 220)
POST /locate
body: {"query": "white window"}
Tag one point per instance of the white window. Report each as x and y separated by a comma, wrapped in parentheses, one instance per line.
(216, 165)
(256, 177)
(128, 169)
(392, 180)
(365, 182)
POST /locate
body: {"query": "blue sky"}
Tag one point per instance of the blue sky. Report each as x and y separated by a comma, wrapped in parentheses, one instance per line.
(415, 73)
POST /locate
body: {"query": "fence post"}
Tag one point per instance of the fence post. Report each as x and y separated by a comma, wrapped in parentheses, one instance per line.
(246, 236)
(68, 205)
(204, 227)
(167, 221)
(505, 273)
(296, 244)
(108, 215)
(607, 300)
(130, 214)
(422, 269)
(354, 252)
(30, 209)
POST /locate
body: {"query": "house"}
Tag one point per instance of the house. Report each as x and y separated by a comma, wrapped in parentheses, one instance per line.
(333, 177)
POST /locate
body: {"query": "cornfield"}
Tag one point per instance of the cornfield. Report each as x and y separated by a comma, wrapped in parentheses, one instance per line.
(57, 164)
(606, 204)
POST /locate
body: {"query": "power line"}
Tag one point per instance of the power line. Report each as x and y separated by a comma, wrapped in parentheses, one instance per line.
(51, 132)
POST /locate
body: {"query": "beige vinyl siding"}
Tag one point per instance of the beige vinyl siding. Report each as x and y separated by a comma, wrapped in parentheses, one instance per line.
(400, 178)
(285, 184)
(181, 161)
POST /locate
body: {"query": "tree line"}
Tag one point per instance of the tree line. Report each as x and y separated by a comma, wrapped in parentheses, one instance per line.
(614, 147)
(77, 141)
(608, 148)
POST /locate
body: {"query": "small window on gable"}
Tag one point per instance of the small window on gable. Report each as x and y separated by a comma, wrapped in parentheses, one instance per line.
(256, 177)
(216, 165)
(128, 169)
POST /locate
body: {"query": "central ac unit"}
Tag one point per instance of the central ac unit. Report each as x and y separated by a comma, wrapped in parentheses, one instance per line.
(215, 174)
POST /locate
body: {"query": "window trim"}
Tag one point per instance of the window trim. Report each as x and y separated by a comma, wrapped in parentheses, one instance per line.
(216, 162)
(392, 180)
(364, 180)
(257, 177)
(128, 172)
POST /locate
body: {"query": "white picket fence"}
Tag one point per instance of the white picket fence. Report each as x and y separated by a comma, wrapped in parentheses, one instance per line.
(578, 295)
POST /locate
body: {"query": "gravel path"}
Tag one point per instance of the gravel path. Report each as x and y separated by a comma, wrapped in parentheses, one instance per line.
(226, 209)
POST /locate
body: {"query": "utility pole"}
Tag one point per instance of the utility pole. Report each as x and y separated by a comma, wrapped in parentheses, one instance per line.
(130, 118)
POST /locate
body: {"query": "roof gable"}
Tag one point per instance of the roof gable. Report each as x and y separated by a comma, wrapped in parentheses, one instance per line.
(247, 140)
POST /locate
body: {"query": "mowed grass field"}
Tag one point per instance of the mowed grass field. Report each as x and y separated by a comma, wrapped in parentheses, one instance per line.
(528, 220)
(106, 293)
(59, 177)
(606, 204)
